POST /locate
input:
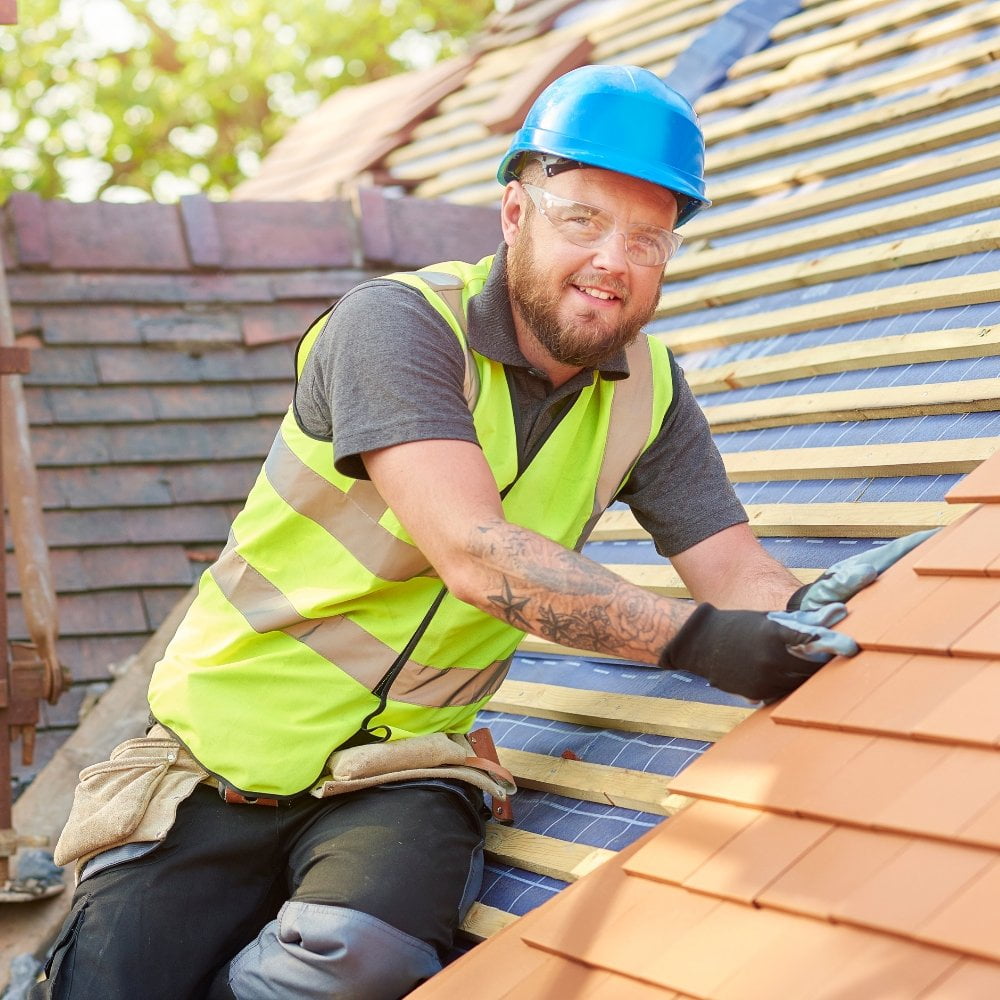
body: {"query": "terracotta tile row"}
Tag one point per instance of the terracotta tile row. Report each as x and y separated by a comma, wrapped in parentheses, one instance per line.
(966, 553)
(924, 787)
(927, 613)
(704, 947)
(933, 697)
(982, 485)
(928, 890)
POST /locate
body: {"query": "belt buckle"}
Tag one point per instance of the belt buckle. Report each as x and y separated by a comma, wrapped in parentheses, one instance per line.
(231, 797)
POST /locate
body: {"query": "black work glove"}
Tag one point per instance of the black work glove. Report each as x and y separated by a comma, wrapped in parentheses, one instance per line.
(762, 656)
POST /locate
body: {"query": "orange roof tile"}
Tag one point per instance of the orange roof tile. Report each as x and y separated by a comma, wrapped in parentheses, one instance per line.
(845, 843)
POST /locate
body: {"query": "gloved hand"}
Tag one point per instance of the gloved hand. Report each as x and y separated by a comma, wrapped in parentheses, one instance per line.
(762, 656)
(845, 578)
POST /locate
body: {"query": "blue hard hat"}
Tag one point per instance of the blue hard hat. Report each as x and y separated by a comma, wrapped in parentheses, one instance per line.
(620, 118)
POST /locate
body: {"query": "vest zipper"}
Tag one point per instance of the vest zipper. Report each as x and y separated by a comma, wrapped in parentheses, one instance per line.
(380, 734)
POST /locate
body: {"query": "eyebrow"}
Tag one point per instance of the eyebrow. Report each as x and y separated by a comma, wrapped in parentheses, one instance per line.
(607, 211)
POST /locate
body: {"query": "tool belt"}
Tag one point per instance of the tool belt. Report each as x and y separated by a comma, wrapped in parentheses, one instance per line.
(436, 755)
(133, 796)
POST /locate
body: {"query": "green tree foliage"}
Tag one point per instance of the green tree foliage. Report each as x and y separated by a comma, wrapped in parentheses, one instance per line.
(130, 99)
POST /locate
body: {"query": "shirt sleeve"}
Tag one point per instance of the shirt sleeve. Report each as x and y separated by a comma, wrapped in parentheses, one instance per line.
(679, 490)
(387, 369)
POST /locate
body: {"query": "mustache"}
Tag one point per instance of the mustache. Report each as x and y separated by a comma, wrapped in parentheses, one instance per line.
(605, 281)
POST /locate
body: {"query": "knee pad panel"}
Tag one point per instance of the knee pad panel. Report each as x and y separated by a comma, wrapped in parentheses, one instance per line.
(314, 951)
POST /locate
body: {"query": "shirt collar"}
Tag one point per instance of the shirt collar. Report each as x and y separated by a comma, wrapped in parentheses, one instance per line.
(491, 324)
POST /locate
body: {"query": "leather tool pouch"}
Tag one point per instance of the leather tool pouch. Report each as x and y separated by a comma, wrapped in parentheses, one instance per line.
(436, 755)
(132, 796)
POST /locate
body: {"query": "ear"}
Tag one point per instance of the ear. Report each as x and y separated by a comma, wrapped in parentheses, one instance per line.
(511, 212)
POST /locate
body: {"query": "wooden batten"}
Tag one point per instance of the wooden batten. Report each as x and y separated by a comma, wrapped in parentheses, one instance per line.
(838, 95)
(916, 141)
(632, 25)
(847, 56)
(614, 786)
(854, 31)
(826, 520)
(664, 580)
(948, 204)
(671, 33)
(942, 244)
(897, 300)
(976, 395)
(542, 855)
(628, 713)
(868, 121)
(484, 921)
(911, 176)
(442, 145)
(818, 14)
(860, 461)
(850, 355)
(475, 171)
(426, 159)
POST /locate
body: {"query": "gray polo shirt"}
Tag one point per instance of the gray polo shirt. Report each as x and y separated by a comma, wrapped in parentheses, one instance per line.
(387, 369)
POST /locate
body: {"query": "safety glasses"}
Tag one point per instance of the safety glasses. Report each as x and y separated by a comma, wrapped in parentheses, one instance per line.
(588, 226)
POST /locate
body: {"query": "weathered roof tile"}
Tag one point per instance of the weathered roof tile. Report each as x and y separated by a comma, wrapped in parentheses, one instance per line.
(30, 229)
(285, 235)
(147, 237)
(193, 328)
(279, 324)
(74, 326)
(201, 232)
(414, 232)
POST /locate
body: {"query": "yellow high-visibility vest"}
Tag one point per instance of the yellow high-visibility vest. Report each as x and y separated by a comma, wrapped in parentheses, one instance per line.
(320, 588)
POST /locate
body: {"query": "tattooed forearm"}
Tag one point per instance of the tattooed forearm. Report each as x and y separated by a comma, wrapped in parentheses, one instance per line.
(563, 596)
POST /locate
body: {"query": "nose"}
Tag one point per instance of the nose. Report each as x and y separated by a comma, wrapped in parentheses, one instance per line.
(610, 255)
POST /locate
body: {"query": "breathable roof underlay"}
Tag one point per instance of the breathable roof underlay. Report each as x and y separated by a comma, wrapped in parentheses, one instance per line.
(834, 311)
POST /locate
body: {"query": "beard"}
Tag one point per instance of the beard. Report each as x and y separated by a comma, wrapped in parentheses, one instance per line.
(580, 343)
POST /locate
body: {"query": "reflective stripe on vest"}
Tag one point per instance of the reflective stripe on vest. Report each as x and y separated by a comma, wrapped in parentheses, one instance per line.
(340, 640)
(320, 586)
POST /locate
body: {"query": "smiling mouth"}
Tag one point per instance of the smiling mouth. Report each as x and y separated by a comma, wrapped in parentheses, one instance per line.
(598, 294)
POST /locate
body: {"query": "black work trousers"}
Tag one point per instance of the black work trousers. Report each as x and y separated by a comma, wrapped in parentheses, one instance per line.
(164, 926)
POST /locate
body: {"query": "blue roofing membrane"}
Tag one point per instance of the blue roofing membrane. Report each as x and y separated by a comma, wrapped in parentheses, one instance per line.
(609, 825)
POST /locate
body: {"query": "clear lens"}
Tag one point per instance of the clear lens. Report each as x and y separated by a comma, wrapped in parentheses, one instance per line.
(588, 226)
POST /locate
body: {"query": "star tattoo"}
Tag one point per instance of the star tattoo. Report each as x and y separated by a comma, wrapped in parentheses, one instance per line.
(509, 605)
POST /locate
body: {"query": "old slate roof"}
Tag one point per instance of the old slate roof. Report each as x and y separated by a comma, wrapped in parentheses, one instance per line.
(835, 311)
(162, 362)
(844, 843)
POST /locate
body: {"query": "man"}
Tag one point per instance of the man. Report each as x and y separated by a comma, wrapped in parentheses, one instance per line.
(454, 435)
